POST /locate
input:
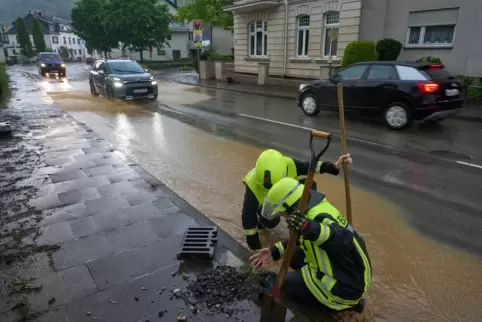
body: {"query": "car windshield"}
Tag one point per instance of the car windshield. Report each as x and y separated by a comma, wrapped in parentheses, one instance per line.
(49, 57)
(126, 67)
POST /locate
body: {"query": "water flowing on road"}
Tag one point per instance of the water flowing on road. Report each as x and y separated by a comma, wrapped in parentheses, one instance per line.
(414, 279)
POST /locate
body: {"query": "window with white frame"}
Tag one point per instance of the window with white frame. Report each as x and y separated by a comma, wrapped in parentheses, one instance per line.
(161, 52)
(431, 28)
(436, 36)
(303, 35)
(330, 33)
(55, 40)
(258, 38)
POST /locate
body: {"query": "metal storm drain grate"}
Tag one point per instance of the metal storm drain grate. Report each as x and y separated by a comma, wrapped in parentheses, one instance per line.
(199, 242)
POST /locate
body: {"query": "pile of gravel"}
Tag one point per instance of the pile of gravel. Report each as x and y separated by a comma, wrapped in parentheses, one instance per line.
(224, 285)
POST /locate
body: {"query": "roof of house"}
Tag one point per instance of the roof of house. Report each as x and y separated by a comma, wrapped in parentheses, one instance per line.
(29, 18)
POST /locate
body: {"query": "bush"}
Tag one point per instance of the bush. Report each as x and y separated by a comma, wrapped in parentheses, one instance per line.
(359, 51)
(186, 68)
(430, 60)
(388, 49)
(4, 84)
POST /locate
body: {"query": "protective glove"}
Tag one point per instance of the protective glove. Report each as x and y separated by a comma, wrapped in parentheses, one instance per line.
(298, 221)
(253, 242)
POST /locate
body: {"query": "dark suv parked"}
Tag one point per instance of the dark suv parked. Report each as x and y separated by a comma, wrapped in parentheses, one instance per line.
(396, 91)
(51, 63)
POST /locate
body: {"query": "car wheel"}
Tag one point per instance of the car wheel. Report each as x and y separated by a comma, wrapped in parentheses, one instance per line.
(397, 116)
(109, 93)
(93, 91)
(310, 104)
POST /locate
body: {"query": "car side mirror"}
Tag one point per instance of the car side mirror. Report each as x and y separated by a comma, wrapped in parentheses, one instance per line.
(335, 78)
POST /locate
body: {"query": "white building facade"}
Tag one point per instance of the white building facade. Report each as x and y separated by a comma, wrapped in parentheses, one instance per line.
(57, 32)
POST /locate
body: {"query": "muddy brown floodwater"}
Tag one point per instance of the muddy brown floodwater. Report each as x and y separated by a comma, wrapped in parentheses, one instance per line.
(415, 279)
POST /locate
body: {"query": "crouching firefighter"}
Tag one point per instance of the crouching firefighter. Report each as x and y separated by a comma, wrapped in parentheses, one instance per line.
(271, 167)
(331, 264)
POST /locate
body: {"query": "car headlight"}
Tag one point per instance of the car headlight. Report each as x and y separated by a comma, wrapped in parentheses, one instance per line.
(117, 79)
(154, 83)
(302, 86)
(42, 65)
(62, 65)
(118, 84)
(151, 78)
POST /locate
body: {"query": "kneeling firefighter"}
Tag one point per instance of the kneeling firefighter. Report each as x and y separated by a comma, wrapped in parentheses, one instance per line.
(331, 264)
(271, 167)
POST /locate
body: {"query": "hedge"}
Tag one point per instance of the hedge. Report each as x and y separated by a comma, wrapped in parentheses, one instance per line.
(388, 49)
(359, 51)
(4, 83)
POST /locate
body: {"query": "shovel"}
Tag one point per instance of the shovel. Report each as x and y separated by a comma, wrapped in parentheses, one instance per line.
(271, 309)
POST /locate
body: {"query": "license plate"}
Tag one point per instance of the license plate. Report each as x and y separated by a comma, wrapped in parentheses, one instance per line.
(139, 91)
(53, 71)
(451, 92)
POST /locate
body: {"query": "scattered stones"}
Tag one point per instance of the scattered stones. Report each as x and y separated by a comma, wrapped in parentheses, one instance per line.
(51, 300)
(113, 302)
(160, 314)
(136, 298)
(224, 285)
(143, 288)
(181, 318)
(185, 276)
(88, 313)
(176, 292)
(173, 274)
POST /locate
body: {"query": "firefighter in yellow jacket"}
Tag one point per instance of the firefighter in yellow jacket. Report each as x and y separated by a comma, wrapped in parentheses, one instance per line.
(331, 264)
(271, 167)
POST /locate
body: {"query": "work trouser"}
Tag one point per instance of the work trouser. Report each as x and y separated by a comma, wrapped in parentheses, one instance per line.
(295, 285)
(270, 224)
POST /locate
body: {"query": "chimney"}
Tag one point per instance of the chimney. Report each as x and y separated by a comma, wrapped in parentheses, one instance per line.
(56, 27)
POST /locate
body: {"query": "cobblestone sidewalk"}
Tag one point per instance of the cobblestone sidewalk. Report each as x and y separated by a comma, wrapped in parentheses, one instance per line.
(85, 234)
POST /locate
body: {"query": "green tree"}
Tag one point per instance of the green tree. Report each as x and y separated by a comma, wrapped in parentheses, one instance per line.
(24, 38)
(38, 36)
(90, 19)
(208, 10)
(140, 24)
(359, 51)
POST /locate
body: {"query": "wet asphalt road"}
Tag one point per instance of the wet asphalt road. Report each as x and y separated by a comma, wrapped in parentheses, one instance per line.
(418, 169)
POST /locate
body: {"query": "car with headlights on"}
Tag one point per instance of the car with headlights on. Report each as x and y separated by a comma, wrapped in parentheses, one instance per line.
(51, 63)
(122, 79)
(397, 92)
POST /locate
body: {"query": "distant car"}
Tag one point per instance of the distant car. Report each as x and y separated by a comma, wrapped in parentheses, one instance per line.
(396, 91)
(51, 63)
(123, 79)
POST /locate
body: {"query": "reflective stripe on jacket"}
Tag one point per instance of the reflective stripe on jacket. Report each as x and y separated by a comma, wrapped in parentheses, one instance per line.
(322, 273)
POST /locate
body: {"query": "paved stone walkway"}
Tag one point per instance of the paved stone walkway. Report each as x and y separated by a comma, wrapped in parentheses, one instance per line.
(118, 228)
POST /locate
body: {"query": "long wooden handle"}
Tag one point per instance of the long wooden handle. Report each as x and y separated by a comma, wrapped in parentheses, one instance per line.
(341, 110)
(294, 235)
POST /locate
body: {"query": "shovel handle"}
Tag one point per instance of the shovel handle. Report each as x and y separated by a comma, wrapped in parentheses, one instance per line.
(294, 234)
(320, 134)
